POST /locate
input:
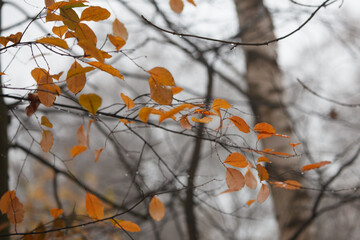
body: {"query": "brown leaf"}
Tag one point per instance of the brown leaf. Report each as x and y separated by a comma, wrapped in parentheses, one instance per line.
(177, 5)
(156, 209)
(119, 30)
(107, 68)
(234, 179)
(47, 140)
(58, 42)
(76, 77)
(262, 172)
(250, 180)
(160, 93)
(184, 122)
(263, 193)
(97, 154)
(45, 122)
(56, 212)
(90, 102)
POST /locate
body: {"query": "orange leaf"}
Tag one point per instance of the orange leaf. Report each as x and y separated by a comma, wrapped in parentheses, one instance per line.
(160, 93)
(50, 16)
(5, 201)
(176, 90)
(77, 149)
(288, 184)
(162, 76)
(45, 122)
(126, 225)
(173, 111)
(294, 144)
(240, 124)
(184, 122)
(56, 212)
(262, 172)
(125, 121)
(202, 120)
(47, 90)
(107, 68)
(264, 128)
(94, 207)
(250, 202)
(250, 180)
(144, 114)
(15, 38)
(47, 140)
(263, 159)
(156, 209)
(234, 179)
(236, 160)
(38, 73)
(263, 193)
(94, 13)
(12, 207)
(177, 5)
(118, 42)
(314, 166)
(220, 103)
(58, 42)
(128, 101)
(90, 102)
(76, 77)
(119, 30)
(48, 3)
(60, 31)
(97, 154)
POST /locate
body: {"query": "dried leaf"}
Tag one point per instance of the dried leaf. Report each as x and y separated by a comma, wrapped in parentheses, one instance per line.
(76, 77)
(47, 140)
(38, 73)
(156, 209)
(90, 102)
(119, 30)
(94, 207)
(177, 5)
(15, 38)
(263, 193)
(94, 13)
(234, 179)
(250, 180)
(12, 207)
(162, 76)
(184, 122)
(58, 42)
(69, 17)
(34, 104)
(173, 111)
(77, 149)
(262, 172)
(5, 201)
(107, 68)
(128, 101)
(118, 42)
(294, 144)
(97, 154)
(160, 93)
(56, 212)
(176, 90)
(240, 124)
(45, 122)
(314, 166)
(48, 3)
(126, 225)
(236, 160)
(288, 184)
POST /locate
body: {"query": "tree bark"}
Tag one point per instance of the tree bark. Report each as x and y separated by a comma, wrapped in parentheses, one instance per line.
(4, 119)
(265, 91)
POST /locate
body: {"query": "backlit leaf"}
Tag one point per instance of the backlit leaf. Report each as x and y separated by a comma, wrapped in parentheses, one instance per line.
(156, 209)
(118, 42)
(58, 42)
(45, 122)
(176, 90)
(5, 201)
(177, 5)
(12, 207)
(47, 140)
(250, 180)
(119, 30)
(97, 154)
(48, 3)
(126, 225)
(162, 76)
(47, 90)
(202, 120)
(128, 101)
(263, 193)
(107, 68)
(262, 172)
(77, 149)
(314, 166)
(236, 160)
(240, 124)
(76, 77)
(90, 102)
(94, 207)
(144, 114)
(184, 122)
(59, 31)
(56, 212)
(234, 179)
(94, 13)
(264, 128)
(160, 93)
(4, 41)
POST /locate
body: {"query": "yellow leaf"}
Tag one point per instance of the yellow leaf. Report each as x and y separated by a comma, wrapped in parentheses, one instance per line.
(119, 30)
(126, 225)
(160, 93)
(236, 160)
(162, 76)
(56, 212)
(97, 154)
(176, 90)
(250, 180)
(45, 122)
(94, 13)
(262, 172)
(177, 5)
(107, 68)
(234, 179)
(144, 114)
(77, 149)
(47, 140)
(94, 207)
(118, 42)
(128, 101)
(202, 120)
(314, 166)
(156, 209)
(60, 31)
(240, 124)
(90, 102)
(263, 193)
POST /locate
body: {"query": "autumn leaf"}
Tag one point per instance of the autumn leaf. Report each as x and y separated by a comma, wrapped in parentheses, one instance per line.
(56, 212)
(263, 159)
(263, 193)
(45, 122)
(5, 201)
(184, 122)
(34, 104)
(162, 76)
(15, 38)
(58, 42)
(47, 140)
(125, 121)
(234, 179)
(144, 114)
(94, 207)
(47, 90)
(3, 41)
(76, 77)
(107, 68)
(126, 225)
(176, 90)
(94, 13)
(38, 73)
(160, 93)
(90, 102)
(264, 130)
(173, 111)
(248, 203)
(314, 166)
(128, 101)
(262, 172)
(59, 31)
(119, 30)
(156, 209)
(240, 124)
(177, 5)
(12, 207)
(77, 149)
(250, 180)
(97, 154)
(118, 42)
(57, 76)
(202, 120)
(288, 184)
(220, 103)
(236, 160)
(81, 136)
(69, 17)
(294, 144)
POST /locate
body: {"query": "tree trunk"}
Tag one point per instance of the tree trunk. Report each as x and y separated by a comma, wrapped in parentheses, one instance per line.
(3, 150)
(265, 93)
